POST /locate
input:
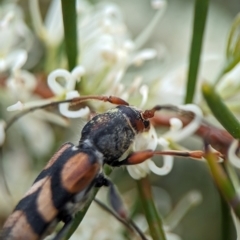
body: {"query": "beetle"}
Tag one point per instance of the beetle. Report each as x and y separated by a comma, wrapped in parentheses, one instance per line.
(64, 185)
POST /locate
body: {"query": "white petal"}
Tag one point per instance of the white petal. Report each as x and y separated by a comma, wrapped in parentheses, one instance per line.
(165, 169)
(17, 59)
(53, 23)
(15, 107)
(188, 130)
(144, 55)
(64, 107)
(144, 92)
(56, 87)
(175, 124)
(136, 172)
(77, 73)
(232, 157)
(37, 19)
(2, 132)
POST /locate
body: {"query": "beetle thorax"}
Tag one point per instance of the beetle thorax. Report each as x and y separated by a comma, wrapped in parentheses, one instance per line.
(110, 133)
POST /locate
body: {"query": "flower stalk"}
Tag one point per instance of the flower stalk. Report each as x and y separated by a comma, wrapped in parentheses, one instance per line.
(152, 216)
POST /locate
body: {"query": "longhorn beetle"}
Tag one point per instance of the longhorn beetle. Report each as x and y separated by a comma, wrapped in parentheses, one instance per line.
(65, 183)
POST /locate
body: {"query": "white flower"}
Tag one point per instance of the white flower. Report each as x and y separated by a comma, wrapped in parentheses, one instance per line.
(52, 31)
(149, 140)
(65, 90)
(15, 38)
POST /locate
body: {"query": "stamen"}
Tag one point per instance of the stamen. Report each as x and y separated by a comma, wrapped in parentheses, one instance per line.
(144, 35)
(144, 55)
(135, 84)
(190, 200)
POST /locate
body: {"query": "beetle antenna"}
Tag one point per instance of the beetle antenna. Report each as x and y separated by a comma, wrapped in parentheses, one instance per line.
(150, 113)
(73, 102)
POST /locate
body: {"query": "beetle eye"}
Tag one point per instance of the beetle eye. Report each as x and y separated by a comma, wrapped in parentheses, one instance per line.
(146, 124)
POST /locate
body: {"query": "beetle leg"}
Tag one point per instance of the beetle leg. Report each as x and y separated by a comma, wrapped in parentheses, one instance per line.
(141, 156)
(101, 180)
(128, 223)
(114, 197)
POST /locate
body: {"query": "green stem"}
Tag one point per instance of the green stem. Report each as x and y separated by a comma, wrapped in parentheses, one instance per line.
(70, 31)
(153, 219)
(200, 16)
(226, 219)
(221, 111)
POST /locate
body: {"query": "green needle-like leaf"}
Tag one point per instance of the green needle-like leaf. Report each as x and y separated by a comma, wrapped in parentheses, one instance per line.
(70, 31)
(222, 181)
(79, 216)
(221, 111)
(200, 16)
(152, 216)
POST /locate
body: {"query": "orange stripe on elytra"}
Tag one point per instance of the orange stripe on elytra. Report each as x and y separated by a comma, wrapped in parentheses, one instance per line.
(57, 155)
(17, 227)
(45, 204)
(35, 186)
(78, 172)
